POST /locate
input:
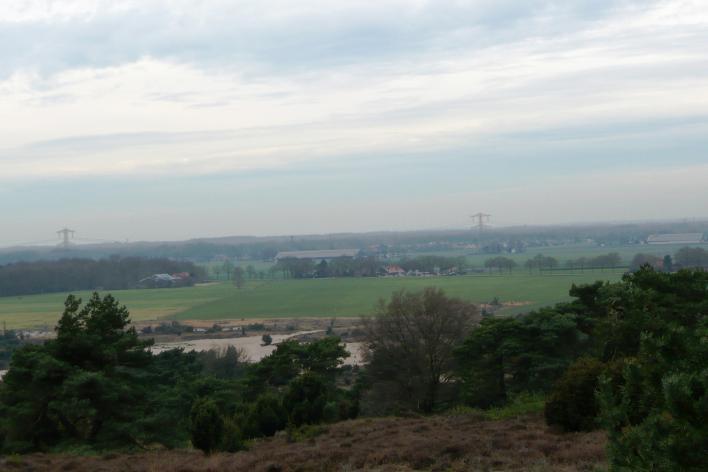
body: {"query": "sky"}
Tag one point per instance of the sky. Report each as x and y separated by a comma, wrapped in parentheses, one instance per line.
(176, 119)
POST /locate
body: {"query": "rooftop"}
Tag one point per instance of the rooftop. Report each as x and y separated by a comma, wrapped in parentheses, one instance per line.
(675, 238)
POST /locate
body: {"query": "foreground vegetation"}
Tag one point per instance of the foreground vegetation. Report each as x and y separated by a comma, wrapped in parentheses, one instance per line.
(626, 357)
(456, 443)
(305, 298)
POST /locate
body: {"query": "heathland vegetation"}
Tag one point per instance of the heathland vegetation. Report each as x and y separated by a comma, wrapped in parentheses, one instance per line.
(627, 357)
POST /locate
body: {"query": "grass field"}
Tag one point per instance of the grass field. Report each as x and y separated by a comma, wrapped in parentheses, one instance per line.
(568, 252)
(562, 253)
(302, 298)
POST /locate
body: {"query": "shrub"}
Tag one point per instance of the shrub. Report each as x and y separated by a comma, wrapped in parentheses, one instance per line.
(266, 417)
(232, 440)
(571, 404)
(305, 400)
(206, 425)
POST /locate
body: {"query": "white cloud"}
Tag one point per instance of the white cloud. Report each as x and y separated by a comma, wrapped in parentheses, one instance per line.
(177, 88)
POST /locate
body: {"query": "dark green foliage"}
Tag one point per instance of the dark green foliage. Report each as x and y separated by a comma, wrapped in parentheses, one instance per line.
(571, 404)
(305, 400)
(97, 387)
(322, 357)
(76, 388)
(656, 413)
(206, 426)
(232, 440)
(113, 273)
(267, 339)
(9, 341)
(506, 356)
(265, 417)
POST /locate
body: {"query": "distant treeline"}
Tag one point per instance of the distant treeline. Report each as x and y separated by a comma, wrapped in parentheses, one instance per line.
(113, 273)
(364, 267)
(685, 258)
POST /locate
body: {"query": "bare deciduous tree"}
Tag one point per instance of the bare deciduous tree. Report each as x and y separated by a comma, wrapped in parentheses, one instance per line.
(411, 341)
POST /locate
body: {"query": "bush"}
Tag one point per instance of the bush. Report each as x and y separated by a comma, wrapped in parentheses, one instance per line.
(305, 400)
(266, 417)
(232, 440)
(206, 425)
(571, 404)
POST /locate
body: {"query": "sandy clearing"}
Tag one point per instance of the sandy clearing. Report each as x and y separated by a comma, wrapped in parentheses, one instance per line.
(252, 346)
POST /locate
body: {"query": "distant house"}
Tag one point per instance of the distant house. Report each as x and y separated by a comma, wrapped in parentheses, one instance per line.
(394, 271)
(676, 238)
(179, 279)
(319, 255)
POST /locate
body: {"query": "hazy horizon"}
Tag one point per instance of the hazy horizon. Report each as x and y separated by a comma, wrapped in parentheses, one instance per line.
(172, 120)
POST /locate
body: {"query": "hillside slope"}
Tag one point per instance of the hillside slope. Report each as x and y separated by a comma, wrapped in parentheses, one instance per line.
(450, 443)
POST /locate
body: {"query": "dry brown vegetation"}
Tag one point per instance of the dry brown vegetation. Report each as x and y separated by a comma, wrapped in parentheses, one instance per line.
(450, 443)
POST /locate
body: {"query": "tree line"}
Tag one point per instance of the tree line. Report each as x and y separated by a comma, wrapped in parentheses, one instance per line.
(113, 273)
(687, 257)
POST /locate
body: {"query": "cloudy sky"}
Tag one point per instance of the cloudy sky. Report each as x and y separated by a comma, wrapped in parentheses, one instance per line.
(172, 119)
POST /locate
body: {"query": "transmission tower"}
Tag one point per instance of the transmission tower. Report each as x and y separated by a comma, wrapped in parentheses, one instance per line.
(65, 234)
(481, 220)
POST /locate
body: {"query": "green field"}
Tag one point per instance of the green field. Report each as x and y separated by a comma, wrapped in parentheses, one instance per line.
(302, 298)
(562, 253)
(566, 252)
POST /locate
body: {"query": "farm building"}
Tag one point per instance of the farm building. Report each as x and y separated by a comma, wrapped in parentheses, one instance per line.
(395, 270)
(676, 238)
(319, 255)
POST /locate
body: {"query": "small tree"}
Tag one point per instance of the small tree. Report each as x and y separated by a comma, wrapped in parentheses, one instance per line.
(267, 339)
(239, 279)
(206, 425)
(228, 268)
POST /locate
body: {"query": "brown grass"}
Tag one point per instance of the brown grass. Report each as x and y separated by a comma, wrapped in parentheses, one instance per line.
(459, 443)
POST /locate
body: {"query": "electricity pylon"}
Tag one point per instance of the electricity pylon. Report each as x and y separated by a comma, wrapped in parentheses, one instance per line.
(482, 220)
(65, 234)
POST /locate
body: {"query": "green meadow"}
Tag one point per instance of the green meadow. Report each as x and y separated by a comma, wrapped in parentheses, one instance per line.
(343, 297)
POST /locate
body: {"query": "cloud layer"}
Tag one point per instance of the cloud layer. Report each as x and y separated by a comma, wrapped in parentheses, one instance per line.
(486, 95)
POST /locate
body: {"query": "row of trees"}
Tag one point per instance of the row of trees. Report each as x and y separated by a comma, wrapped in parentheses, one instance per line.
(541, 263)
(687, 257)
(114, 273)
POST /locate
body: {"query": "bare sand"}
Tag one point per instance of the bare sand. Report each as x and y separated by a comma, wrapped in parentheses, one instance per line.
(253, 346)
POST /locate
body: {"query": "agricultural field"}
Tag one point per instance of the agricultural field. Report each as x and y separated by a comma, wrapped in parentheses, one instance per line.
(564, 253)
(343, 297)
